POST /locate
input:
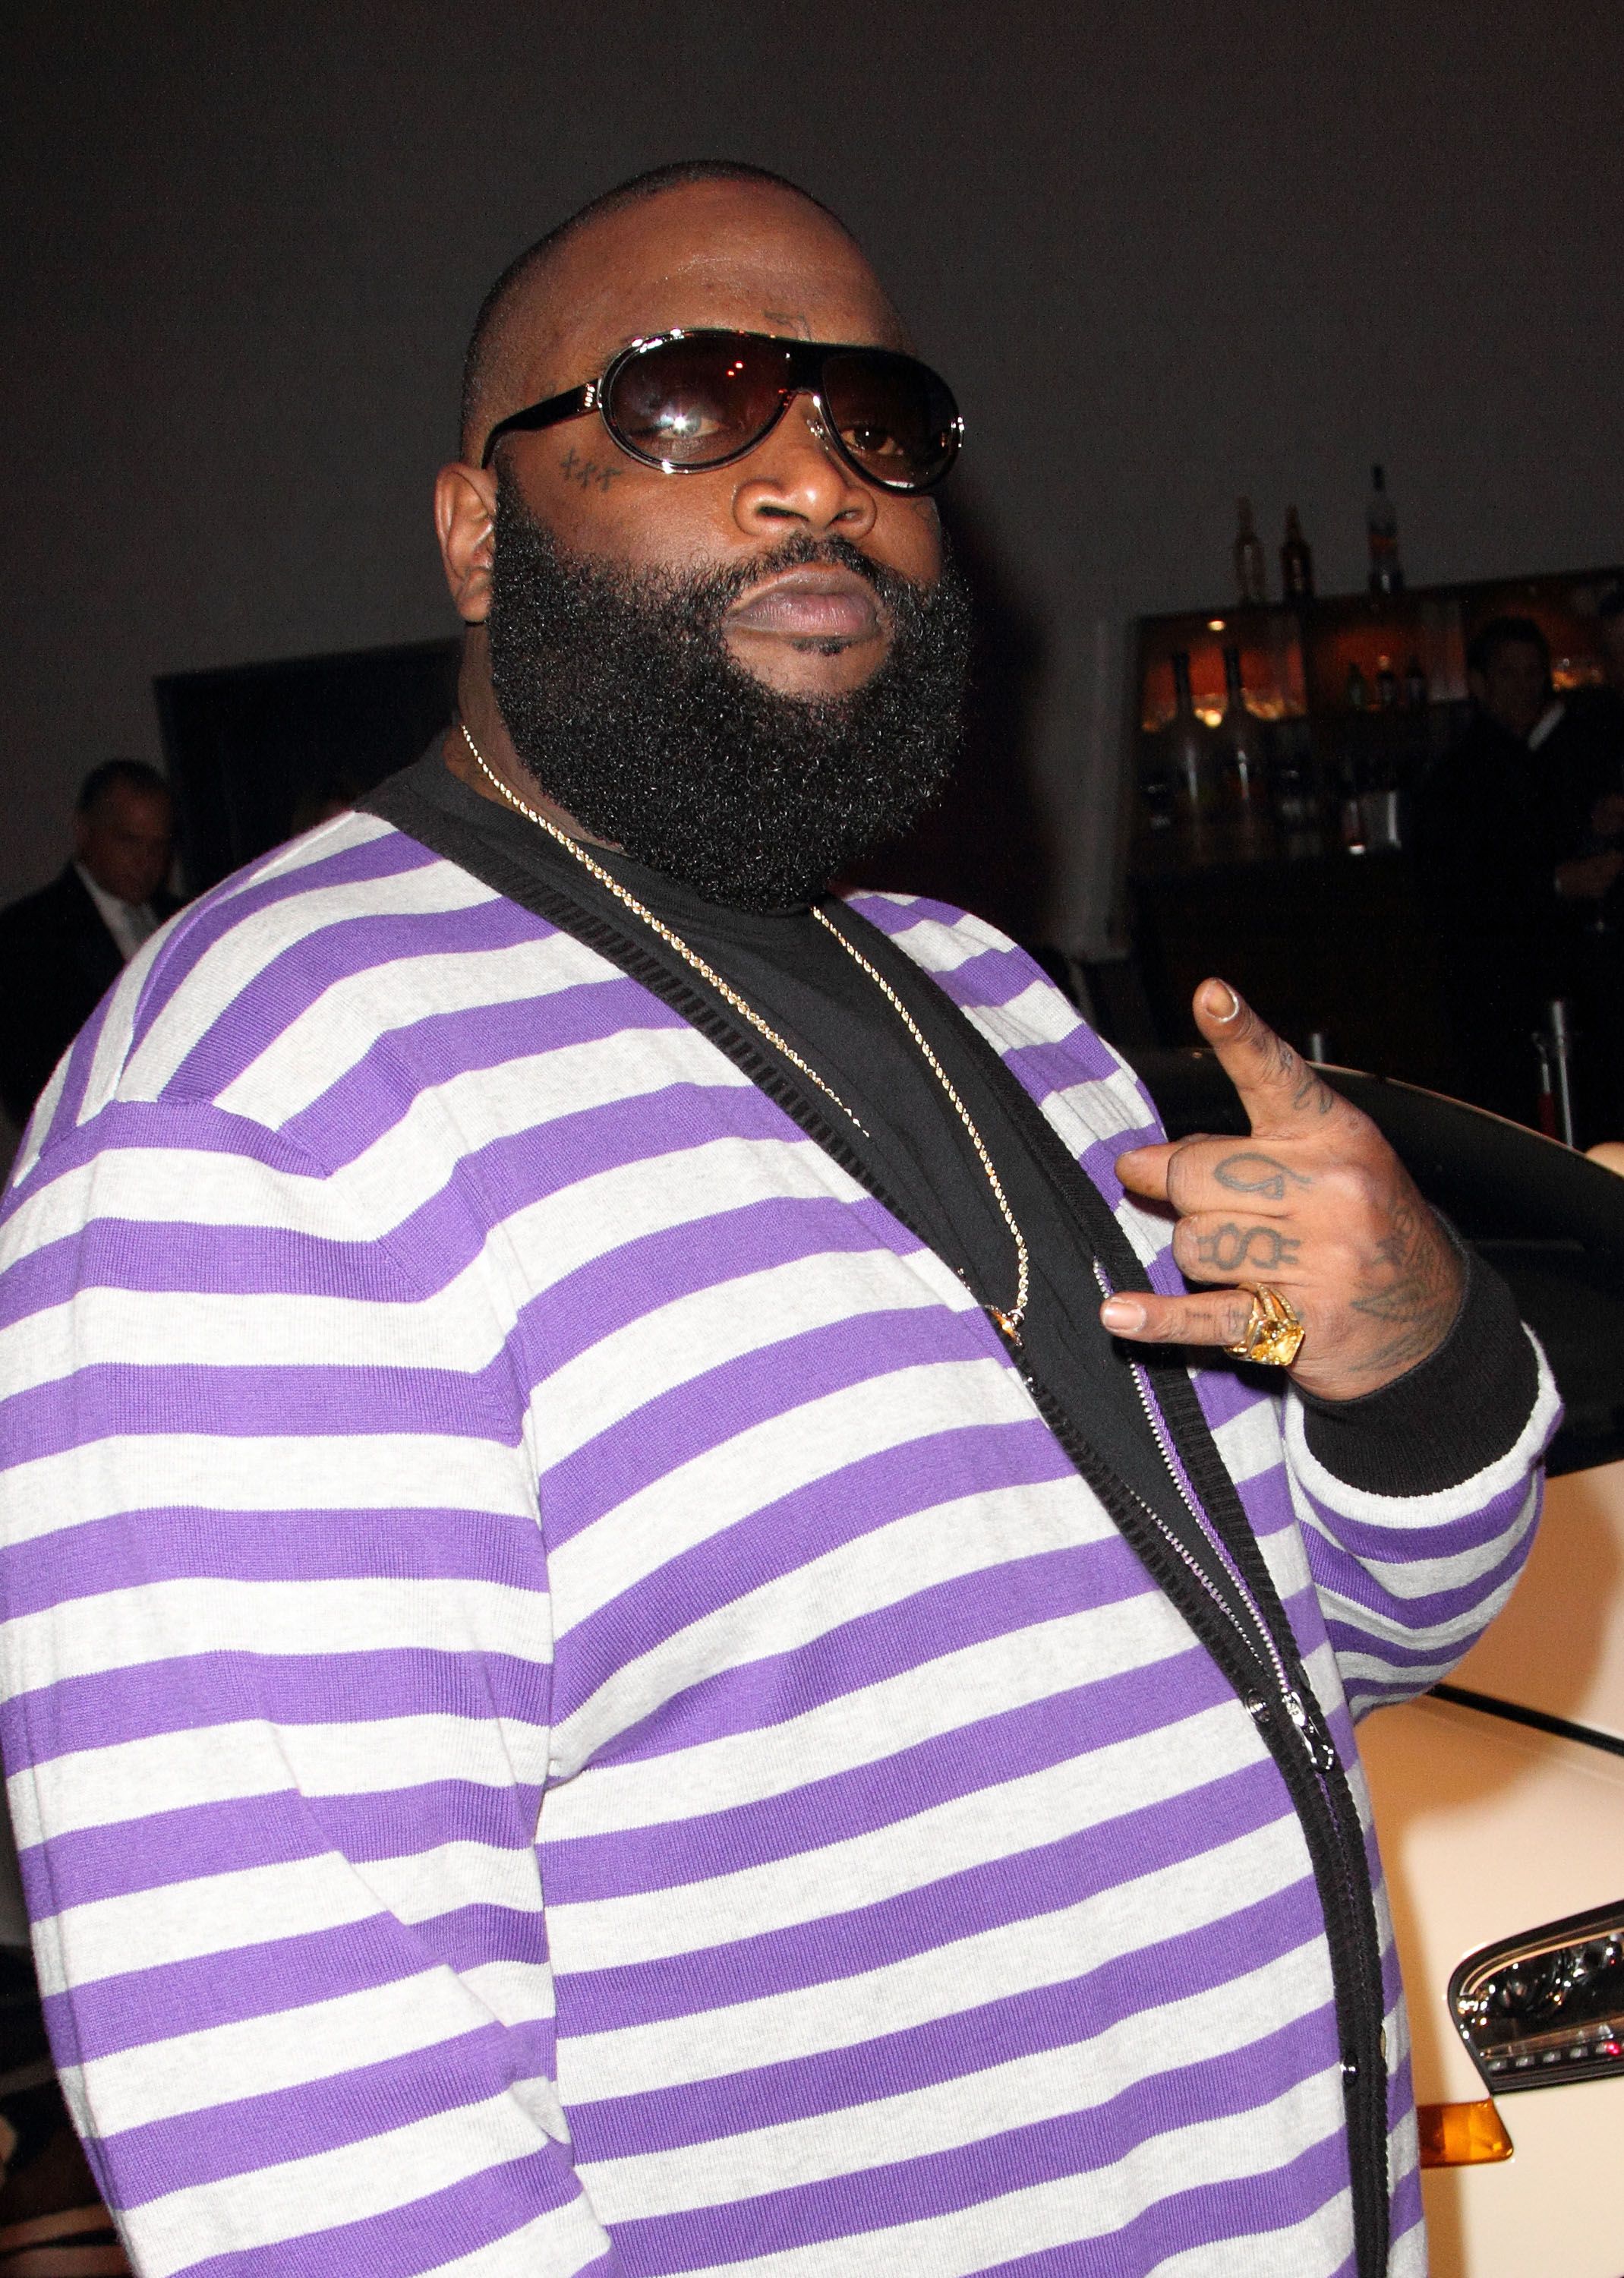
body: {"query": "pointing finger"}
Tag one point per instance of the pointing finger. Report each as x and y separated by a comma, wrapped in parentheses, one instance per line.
(1218, 1317)
(1276, 1085)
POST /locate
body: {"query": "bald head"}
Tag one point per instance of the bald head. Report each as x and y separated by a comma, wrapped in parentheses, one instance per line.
(704, 207)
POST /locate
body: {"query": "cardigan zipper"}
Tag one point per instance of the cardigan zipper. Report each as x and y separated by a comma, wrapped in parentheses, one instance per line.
(1305, 1758)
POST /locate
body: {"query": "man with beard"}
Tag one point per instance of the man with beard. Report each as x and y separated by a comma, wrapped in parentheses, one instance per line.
(633, 1647)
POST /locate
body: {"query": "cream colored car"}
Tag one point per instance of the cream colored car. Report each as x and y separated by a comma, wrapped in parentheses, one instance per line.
(1504, 1839)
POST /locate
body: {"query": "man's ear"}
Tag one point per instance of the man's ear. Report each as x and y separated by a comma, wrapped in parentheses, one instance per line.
(465, 522)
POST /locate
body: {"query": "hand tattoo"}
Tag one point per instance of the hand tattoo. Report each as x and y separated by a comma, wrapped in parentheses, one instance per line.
(1263, 1247)
(1418, 1303)
(1252, 1173)
(585, 472)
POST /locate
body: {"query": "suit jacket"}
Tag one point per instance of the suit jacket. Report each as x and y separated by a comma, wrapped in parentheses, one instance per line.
(57, 960)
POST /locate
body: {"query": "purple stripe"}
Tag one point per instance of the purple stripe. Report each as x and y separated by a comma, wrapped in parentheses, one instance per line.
(423, 2235)
(200, 1691)
(366, 1099)
(1196, 2220)
(267, 1978)
(297, 974)
(656, 1270)
(1067, 2014)
(1011, 1745)
(80, 1056)
(1018, 2158)
(778, 1538)
(132, 1124)
(750, 1696)
(179, 1845)
(1402, 1537)
(250, 892)
(234, 1400)
(322, 2115)
(990, 1896)
(717, 1404)
(493, 1183)
(166, 1259)
(1439, 1606)
(427, 1543)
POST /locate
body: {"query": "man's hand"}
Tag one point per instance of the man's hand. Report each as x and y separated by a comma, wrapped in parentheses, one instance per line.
(1315, 1203)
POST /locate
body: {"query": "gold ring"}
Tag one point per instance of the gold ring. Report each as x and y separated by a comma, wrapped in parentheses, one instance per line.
(1273, 1335)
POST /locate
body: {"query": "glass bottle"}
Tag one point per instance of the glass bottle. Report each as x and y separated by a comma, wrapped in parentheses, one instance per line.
(1249, 578)
(1416, 689)
(1382, 531)
(1188, 761)
(1296, 561)
(1296, 799)
(1386, 684)
(1357, 690)
(1244, 757)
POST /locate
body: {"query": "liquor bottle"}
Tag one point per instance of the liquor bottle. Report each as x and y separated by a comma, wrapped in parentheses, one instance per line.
(1382, 529)
(1249, 582)
(1415, 689)
(1296, 800)
(1296, 561)
(1386, 684)
(1188, 758)
(1243, 758)
(1357, 690)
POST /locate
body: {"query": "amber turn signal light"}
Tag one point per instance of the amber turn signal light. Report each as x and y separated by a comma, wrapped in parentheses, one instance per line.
(1462, 2134)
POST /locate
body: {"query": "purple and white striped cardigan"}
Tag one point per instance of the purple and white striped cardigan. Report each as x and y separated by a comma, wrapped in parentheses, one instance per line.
(564, 1711)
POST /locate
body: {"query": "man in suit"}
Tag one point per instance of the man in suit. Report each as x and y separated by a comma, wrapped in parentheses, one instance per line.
(61, 949)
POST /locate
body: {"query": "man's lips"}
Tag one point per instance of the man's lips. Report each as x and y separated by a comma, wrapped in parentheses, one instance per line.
(809, 604)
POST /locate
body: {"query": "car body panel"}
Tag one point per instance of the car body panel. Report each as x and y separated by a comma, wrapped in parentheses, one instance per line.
(1487, 1828)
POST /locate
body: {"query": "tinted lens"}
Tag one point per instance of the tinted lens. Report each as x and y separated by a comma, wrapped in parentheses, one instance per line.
(697, 403)
(898, 420)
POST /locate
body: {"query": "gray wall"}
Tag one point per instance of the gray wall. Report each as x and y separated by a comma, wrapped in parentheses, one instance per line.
(1166, 254)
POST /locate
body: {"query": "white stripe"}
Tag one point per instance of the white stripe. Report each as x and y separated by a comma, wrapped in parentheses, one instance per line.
(249, 1905)
(335, 1032)
(1037, 1015)
(697, 1500)
(302, 1475)
(989, 1823)
(234, 961)
(1015, 1957)
(955, 2113)
(702, 1330)
(408, 1166)
(226, 1763)
(1074, 2208)
(299, 2198)
(157, 1622)
(289, 2049)
(949, 1693)
(883, 1567)
(1250, 1443)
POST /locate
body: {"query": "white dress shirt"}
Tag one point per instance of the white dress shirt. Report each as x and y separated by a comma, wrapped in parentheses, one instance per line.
(128, 922)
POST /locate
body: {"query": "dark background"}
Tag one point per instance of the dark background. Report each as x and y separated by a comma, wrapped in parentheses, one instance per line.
(1166, 254)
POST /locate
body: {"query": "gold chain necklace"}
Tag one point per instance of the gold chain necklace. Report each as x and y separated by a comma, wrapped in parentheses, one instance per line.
(1009, 1321)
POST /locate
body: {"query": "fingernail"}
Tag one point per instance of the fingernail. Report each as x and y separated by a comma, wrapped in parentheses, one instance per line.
(1227, 1009)
(1122, 1313)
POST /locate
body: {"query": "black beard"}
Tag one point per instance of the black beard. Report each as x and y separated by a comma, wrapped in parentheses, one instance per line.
(625, 704)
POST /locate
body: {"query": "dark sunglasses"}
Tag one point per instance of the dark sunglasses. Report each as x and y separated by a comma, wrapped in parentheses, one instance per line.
(684, 401)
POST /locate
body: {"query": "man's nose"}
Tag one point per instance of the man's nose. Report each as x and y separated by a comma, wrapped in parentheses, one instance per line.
(796, 478)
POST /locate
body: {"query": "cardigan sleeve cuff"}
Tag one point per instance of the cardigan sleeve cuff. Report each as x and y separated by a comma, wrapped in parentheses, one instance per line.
(1446, 1418)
